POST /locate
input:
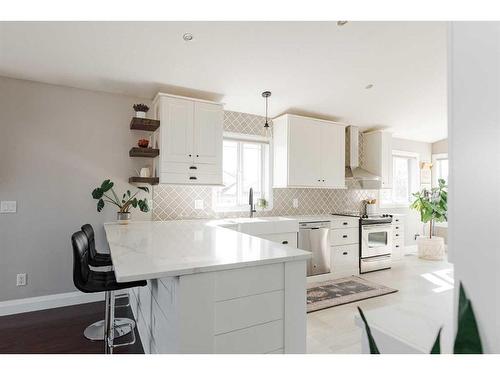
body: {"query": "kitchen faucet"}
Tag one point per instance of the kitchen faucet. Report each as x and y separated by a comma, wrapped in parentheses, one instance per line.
(250, 202)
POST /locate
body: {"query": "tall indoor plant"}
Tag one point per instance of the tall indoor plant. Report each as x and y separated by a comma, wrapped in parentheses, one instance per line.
(433, 206)
(102, 194)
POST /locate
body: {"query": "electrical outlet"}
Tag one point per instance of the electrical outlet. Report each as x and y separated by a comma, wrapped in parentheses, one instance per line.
(295, 203)
(8, 207)
(198, 204)
(21, 279)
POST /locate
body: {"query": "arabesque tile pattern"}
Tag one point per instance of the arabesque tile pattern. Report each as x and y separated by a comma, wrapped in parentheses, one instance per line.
(177, 202)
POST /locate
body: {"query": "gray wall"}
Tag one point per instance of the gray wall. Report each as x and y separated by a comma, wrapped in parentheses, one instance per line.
(57, 144)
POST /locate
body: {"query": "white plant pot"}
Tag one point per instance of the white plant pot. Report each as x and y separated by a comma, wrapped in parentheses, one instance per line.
(123, 217)
(431, 248)
(140, 114)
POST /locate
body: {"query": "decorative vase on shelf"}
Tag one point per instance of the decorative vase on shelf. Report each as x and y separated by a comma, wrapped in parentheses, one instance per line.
(123, 217)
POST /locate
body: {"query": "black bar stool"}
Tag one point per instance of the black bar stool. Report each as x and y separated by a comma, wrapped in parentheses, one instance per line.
(95, 331)
(90, 281)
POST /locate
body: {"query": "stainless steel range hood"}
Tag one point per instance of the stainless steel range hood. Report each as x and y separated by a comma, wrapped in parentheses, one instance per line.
(353, 172)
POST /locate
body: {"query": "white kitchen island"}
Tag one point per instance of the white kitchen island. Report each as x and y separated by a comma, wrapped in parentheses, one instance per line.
(211, 289)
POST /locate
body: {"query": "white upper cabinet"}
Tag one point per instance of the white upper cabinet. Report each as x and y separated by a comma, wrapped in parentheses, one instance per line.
(308, 152)
(190, 140)
(377, 159)
(177, 125)
(208, 119)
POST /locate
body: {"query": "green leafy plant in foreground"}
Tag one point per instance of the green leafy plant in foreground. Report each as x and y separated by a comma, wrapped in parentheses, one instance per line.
(467, 340)
(432, 204)
(128, 200)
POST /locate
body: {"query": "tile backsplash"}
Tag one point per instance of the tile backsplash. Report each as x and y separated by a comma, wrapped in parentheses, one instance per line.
(171, 202)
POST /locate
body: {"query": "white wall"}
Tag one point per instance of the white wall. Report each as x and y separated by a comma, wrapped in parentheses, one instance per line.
(413, 225)
(57, 144)
(474, 145)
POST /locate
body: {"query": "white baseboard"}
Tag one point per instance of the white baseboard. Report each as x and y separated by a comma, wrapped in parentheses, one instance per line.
(17, 306)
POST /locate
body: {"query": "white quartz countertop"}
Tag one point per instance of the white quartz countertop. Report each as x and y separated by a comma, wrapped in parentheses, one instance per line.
(154, 249)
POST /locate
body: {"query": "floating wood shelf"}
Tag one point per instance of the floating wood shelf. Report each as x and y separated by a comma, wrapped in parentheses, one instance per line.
(146, 124)
(139, 152)
(145, 180)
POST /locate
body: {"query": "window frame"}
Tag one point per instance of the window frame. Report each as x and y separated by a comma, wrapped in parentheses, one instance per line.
(411, 182)
(266, 185)
(435, 159)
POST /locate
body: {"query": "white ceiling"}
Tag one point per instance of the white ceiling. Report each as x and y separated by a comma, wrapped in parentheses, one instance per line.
(312, 68)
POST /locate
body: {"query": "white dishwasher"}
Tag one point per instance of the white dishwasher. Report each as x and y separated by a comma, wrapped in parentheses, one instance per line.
(313, 237)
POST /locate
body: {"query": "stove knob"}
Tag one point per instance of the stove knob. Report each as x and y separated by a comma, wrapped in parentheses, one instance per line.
(365, 216)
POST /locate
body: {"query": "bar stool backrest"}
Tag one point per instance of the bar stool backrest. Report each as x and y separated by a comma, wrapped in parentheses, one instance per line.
(89, 232)
(81, 268)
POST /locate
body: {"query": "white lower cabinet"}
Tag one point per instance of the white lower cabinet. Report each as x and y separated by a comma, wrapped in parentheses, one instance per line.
(398, 237)
(289, 239)
(259, 309)
(345, 260)
(344, 240)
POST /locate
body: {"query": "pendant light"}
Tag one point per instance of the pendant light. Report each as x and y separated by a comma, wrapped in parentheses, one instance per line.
(267, 129)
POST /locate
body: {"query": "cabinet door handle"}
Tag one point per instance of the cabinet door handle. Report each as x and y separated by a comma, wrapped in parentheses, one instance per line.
(344, 253)
(323, 180)
(285, 242)
(189, 155)
(397, 235)
(344, 236)
(192, 178)
(397, 245)
(197, 156)
(345, 223)
(397, 227)
(193, 167)
(319, 180)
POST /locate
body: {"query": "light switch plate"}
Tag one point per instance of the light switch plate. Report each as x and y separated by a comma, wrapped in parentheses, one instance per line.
(8, 207)
(198, 204)
(295, 203)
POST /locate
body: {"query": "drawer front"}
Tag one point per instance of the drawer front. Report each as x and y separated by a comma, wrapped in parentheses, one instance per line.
(191, 178)
(345, 257)
(348, 222)
(398, 248)
(397, 228)
(347, 236)
(239, 313)
(172, 167)
(260, 339)
(397, 220)
(249, 281)
(397, 235)
(289, 239)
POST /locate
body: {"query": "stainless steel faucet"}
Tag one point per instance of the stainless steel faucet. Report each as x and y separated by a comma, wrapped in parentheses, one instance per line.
(250, 202)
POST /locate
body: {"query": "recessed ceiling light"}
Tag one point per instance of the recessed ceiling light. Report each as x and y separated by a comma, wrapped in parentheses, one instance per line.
(187, 37)
(368, 87)
(341, 23)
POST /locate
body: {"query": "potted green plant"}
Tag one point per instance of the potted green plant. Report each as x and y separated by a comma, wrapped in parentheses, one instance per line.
(128, 200)
(140, 110)
(433, 206)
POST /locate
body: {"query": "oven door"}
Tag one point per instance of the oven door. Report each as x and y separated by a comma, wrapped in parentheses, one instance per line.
(376, 240)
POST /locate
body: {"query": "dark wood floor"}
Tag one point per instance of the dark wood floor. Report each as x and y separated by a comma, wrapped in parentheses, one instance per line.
(58, 331)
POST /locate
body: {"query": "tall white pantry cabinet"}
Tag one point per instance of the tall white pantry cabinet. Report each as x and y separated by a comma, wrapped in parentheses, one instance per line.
(190, 140)
(308, 152)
